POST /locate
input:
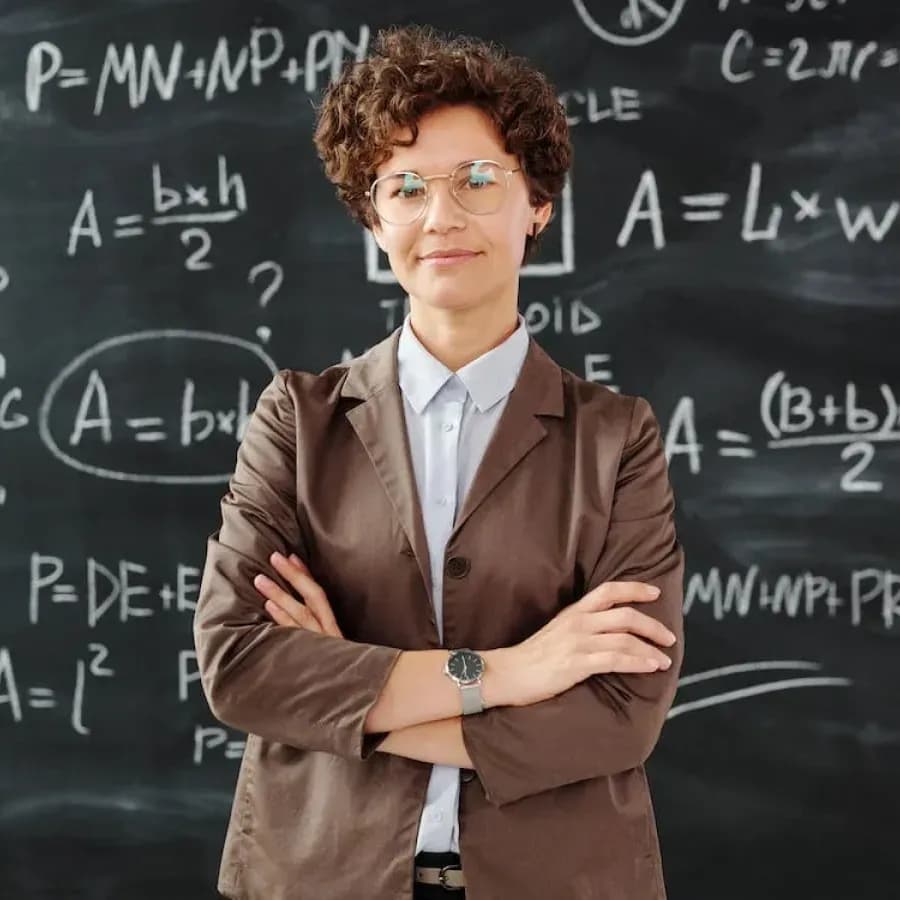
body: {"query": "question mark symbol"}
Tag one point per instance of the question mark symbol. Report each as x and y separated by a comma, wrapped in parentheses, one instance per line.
(264, 332)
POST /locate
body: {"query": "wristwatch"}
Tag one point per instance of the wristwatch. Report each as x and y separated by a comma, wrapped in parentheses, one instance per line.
(465, 667)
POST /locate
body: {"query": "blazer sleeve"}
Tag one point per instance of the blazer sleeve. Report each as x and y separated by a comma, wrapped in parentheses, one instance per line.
(609, 722)
(291, 685)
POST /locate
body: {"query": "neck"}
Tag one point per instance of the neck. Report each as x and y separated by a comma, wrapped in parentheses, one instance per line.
(457, 336)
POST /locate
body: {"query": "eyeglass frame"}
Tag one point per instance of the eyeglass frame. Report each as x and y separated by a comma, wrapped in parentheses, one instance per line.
(370, 193)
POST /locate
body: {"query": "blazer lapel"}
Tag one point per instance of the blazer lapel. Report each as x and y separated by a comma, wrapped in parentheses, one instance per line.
(380, 424)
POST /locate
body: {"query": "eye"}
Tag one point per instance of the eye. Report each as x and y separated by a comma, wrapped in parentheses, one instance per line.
(411, 186)
(481, 174)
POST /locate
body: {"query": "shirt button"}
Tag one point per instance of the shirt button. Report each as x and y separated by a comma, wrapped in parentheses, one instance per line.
(449, 426)
(443, 501)
(437, 816)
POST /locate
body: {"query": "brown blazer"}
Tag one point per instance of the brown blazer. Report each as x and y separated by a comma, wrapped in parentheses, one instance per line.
(573, 490)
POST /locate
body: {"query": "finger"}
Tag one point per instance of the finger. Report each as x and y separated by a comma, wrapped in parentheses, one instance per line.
(633, 646)
(293, 608)
(275, 594)
(297, 577)
(297, 608)
(318, 601)
(297, 574)
(299, 563)
(630, 619)
(621, 662)
(279, 615)
(612, 592)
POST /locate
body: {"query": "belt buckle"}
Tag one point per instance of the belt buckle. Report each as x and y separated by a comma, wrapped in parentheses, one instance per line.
(442, 878)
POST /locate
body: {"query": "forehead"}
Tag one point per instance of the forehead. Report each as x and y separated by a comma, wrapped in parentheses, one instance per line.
(448, 136)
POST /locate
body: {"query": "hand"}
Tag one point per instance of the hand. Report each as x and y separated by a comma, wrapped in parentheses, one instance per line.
(588, 637)
(315, 614)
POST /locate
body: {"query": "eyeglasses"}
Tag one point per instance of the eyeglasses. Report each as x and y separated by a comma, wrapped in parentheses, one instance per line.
(478, 186)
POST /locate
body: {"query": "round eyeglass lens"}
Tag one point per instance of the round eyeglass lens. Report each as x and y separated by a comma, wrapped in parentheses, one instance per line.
(399, 198)
(479, 186)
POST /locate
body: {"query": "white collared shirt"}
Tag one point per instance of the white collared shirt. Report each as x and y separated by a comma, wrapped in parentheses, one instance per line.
(450, 417)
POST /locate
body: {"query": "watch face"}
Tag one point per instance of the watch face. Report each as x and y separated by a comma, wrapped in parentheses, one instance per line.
(465, 665)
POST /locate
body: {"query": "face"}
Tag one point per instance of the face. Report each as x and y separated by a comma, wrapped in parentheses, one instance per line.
(447, 137)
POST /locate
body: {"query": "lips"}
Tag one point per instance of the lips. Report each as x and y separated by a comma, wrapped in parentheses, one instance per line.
(449, 261)
(445, 259)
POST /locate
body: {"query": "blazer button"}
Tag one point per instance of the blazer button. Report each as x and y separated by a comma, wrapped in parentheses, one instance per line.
(466, 774)
(458, 566)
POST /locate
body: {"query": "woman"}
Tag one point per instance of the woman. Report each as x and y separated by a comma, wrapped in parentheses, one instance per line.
(453, 488)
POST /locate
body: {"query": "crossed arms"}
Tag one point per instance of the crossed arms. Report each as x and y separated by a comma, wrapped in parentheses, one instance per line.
(318, 691)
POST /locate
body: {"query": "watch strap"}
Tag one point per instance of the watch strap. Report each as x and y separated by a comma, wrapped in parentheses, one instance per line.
(472, 701)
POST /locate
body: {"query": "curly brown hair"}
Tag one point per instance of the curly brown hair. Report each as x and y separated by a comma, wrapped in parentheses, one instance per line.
(416, 68)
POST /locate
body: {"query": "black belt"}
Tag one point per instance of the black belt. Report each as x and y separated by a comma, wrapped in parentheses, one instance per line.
(444, 869)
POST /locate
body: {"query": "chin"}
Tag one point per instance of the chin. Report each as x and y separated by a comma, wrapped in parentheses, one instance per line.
(446, 298)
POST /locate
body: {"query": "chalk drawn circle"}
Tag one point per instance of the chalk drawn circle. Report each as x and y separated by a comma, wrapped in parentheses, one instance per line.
(118, 341)
(631, 17)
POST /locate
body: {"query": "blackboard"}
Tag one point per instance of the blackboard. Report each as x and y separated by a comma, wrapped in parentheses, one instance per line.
(725, 246)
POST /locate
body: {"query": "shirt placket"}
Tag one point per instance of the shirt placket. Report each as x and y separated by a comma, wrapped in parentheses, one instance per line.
(445, 478)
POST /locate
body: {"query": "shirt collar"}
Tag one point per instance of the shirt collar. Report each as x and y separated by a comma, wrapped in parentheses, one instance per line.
(488, 378)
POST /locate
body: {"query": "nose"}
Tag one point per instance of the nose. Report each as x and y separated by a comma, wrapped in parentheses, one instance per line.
(443, 212)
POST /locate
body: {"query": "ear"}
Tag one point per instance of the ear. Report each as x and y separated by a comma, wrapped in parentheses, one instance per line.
(378, 234)
(540, 218)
